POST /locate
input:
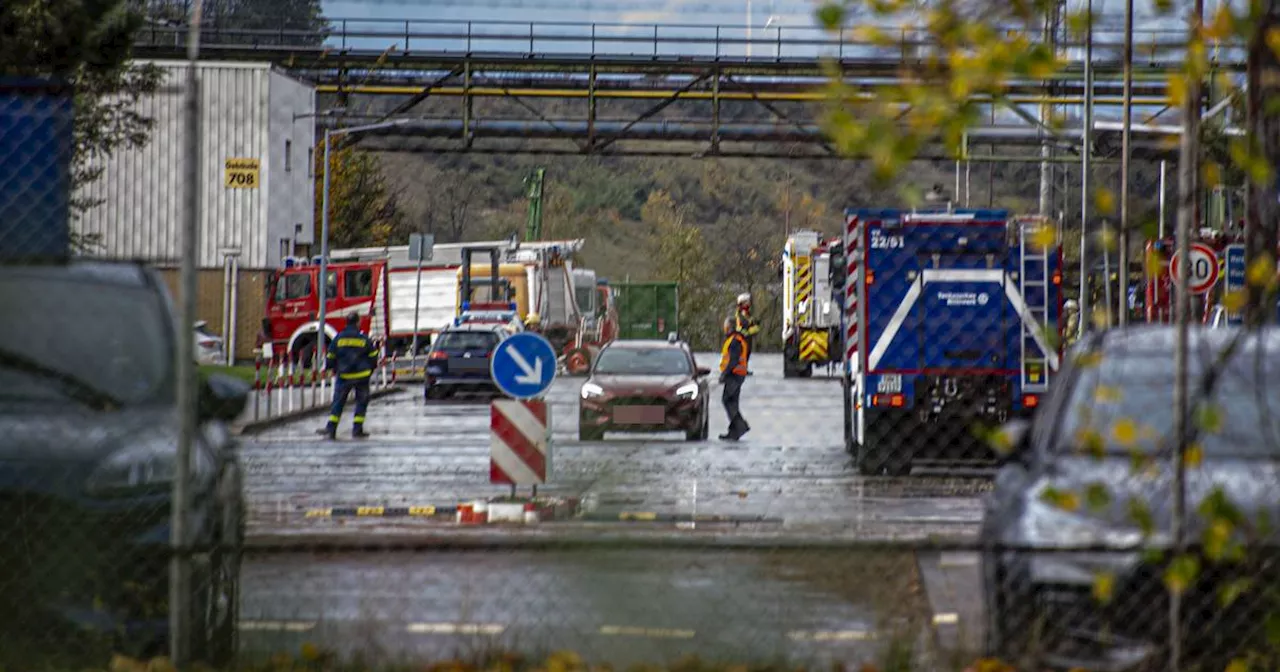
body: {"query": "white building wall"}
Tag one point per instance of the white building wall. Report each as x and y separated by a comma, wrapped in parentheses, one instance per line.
(142, 191)
(290, 202)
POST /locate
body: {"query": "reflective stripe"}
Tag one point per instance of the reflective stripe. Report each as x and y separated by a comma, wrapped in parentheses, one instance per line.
(352, 342)
(355, 376)
(334, 419)
(739, 367)
(359, 419)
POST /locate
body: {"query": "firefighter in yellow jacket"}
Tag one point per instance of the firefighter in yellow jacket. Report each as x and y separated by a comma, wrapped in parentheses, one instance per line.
(733, 372)
(746, 324)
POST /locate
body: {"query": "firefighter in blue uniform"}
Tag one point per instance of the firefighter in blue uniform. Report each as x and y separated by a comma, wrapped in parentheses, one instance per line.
(354, 357)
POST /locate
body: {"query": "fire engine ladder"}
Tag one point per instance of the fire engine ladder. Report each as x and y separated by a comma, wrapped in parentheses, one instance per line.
(1034, 277)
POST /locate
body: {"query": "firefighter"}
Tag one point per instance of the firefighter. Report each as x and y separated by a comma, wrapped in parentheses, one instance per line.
(354, 356)
(733, 371)
(1071, 313)
(533, 323)
(746, 324)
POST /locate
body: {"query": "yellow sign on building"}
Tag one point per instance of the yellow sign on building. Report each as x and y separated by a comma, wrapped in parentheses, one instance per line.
(242, 174)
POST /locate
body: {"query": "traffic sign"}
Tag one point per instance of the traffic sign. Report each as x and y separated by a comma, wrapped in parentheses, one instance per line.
(1234, 279)
(523, 365)
(1204, 268)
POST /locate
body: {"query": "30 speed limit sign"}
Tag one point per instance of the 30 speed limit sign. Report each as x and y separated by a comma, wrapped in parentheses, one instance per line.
(1203, 266)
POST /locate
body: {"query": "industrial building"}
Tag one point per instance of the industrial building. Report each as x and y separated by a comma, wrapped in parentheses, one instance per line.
(256, 186)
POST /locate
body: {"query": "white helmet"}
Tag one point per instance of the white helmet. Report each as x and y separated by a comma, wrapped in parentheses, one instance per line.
(1071, 304)
(744, 299)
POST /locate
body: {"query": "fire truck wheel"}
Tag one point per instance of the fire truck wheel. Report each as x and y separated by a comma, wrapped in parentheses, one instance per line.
(577, 361)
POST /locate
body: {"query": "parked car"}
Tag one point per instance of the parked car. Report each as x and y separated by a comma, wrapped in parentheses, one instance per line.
(1042, 562)
(86, 468)
(645, 386)
(209, 349)
(459, 360)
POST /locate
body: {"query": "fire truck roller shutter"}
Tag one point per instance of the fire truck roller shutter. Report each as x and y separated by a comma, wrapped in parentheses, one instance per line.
(814, 345)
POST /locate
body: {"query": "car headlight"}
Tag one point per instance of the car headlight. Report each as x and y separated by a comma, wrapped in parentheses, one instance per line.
(687, 391)
(590, 390)
(146, 464)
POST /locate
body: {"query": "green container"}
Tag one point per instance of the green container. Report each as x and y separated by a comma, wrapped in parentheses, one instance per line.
(647, 309)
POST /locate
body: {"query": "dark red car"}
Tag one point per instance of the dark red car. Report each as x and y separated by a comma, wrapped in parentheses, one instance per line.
(645, 386)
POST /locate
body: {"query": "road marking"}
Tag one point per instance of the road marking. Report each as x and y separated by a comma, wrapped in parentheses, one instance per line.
(456, 628)
(831, 635)
(948, 618)
(658, 633)
(278, 626)
(958, 560)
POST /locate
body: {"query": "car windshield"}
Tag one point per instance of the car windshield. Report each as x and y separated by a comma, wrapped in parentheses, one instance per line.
(1127, 401)
(643, 362)
(110, 337)
(466, 340)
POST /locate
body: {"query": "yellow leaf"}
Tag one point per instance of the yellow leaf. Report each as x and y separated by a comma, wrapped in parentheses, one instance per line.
(1234, 301)
(1194, 456)
(1273, 40)
(1125, 432)
(1237, 665)
(1105, 201)
(1104, 586)
(1261, 271)
(1222, 25)
(1211, 173)
(1177, 87)
(310, 652)
(1105, 394)
(1044, 237)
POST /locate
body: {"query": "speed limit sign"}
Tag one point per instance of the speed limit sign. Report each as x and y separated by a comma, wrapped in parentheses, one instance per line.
(1203, 266)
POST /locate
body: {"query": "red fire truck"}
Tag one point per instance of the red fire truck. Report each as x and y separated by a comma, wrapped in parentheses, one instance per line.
(293, 303)
(1158, 285)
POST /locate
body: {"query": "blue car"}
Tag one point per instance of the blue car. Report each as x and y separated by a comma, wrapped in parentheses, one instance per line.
(459, 360)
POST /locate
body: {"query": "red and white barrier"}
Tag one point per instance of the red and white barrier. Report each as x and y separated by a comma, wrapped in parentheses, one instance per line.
(852, 246)
(520, 446)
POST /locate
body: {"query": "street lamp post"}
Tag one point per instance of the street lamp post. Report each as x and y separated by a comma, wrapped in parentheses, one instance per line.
(329, 134)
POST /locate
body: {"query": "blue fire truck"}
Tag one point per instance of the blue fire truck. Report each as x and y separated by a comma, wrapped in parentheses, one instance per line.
(952, 325)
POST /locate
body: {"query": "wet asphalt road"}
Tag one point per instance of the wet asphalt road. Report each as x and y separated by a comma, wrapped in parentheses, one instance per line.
(614, 605)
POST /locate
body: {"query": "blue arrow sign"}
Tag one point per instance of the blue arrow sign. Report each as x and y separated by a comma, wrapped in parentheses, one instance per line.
(524, 365)
(1234, 282)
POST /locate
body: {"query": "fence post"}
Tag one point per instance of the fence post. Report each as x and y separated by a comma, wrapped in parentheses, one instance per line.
(257, 385)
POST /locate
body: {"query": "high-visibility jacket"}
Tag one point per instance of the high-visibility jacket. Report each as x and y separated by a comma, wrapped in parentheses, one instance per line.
(733, 355)
(353, 355)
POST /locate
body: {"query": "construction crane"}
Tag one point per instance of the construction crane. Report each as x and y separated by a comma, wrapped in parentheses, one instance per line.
(533, 185)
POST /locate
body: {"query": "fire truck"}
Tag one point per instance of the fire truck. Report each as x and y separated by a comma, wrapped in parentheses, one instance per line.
(576, 314)
(812, 273)
(293, 303)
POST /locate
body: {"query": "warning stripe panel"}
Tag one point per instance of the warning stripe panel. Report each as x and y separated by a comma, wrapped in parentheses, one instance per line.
(519, 442)
(813, 346)
(804, 281)
(853, 248)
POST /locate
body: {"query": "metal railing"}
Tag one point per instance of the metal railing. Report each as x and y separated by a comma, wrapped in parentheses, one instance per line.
(286, 384)
(603, 40)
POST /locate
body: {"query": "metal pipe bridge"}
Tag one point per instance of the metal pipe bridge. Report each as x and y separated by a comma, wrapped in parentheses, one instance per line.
(732, 89)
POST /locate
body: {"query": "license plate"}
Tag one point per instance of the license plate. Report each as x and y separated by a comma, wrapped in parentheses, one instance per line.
(468, 365)
(639, 415)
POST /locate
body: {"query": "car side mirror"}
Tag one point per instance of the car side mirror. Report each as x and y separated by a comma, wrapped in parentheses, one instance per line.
(703, 372)
(222, 397)
(1012, 441)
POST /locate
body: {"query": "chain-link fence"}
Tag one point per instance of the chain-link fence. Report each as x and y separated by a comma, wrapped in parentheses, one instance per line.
(925, 459)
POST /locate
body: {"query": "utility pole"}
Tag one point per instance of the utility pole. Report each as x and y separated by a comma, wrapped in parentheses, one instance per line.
(1264, 129)
(1125, 151)
(1086, 152)
(533, 224)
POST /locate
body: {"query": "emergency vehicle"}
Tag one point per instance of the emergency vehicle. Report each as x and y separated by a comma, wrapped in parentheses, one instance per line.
(952, 325)
(542, 280)
(293, 303)
(812, 274)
